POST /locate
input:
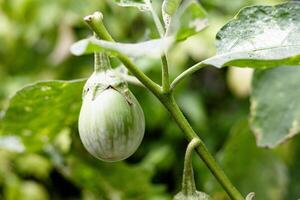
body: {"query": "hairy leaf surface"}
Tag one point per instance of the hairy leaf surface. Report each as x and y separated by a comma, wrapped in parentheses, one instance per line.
(140, 4)
(260, 37)
(275, 105)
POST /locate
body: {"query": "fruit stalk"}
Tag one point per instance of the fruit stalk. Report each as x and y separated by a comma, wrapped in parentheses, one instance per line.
(188, 182)
(189, 191)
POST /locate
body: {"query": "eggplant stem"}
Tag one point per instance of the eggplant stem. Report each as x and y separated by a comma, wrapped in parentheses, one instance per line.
(188, 182)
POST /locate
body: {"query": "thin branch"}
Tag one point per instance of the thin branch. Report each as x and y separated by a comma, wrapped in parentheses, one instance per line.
(165, 67)
(186, 73)
(165, 75)
(156, 19)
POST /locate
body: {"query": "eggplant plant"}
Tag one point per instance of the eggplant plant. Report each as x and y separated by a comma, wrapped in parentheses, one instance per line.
(111, 121)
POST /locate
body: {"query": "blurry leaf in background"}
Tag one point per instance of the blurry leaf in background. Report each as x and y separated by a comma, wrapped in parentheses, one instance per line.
(118, 181)
(239, 81)
(11, 143)
(24, 190)
(27, 164)
(260, 37)
(160, 157)
(152, 48)
(251, 169)
(275, 108)
(192, 106)
(140, 4)
(294, 166)
(189, 19)
(38, 112)
(5, 165)
(65, 39)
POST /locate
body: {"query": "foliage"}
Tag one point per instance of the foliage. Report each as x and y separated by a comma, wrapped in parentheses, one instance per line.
(260, 36)
(284, 109)
(51, 102)
(40, 151)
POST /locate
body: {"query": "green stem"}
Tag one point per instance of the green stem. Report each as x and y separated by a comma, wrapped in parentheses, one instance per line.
(102, 62)
(169, 102)
(188, 182)
(95, 22)
(156, 19)
(202, 151)
(165, 75)
(147, 82)
(186, 73)
(165, 69)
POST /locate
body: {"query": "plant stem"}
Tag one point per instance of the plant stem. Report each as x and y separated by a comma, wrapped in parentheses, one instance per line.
(186, 73)
(102, 62)
(156, 19)
(169, 102)
(147, 82)
(202, 151)
(165, 75)
(165, 69)
(188, 182)
(96, 24)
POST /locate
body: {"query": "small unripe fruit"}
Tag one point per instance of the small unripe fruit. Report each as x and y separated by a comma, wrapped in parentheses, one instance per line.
(111, 121)
(195, 196)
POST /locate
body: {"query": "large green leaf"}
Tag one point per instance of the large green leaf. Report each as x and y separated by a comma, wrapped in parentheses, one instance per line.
(142, 5)
(250, 168)
(189, 19)
(39, 112)
(260, 37)
(152, 48)
(275, 105)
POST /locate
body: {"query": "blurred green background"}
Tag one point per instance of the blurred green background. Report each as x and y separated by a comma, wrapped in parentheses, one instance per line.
(35, 37)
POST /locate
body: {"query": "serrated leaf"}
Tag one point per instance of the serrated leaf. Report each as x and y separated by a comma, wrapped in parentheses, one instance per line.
(250, 168)
(38, 112)
(140, 4)
(151, 48)
(260, 37)
(275, 107)
(189, 19)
